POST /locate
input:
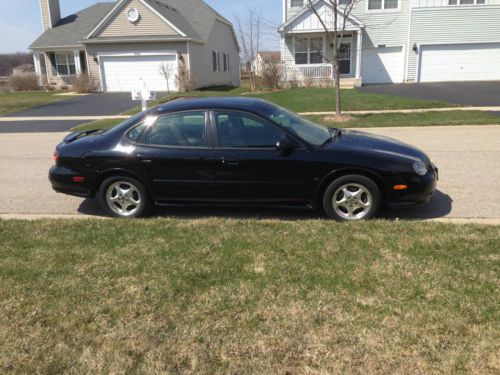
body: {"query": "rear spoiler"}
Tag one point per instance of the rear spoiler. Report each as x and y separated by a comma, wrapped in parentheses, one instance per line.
(74, 136)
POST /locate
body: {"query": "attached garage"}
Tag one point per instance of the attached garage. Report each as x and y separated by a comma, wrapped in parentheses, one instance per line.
(383, 65)
(126, 73)
(459, 62)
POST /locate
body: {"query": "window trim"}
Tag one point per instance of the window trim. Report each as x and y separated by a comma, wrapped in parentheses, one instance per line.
(291, 6)
(383, 9)
(459, 4)
(142, 140)
(69, 56)
(216, 63)
(226, 61)
(215, 133)
(308, 37)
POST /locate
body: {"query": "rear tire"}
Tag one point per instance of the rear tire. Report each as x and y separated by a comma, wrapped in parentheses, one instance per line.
(124, 197)
(352, 198)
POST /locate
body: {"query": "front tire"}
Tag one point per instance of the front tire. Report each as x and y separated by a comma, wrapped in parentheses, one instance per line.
(124, 197)
(352, 198)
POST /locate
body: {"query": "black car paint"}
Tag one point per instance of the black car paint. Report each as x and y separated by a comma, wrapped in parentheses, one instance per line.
(175, 175)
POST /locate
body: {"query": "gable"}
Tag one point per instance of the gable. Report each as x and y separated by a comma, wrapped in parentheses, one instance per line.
(149, 23)
(308, 21)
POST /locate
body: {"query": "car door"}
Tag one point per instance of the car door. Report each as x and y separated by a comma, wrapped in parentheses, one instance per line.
(177, 157)
(249, 165)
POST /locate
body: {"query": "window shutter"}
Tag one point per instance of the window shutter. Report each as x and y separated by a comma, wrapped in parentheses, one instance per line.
(214, 60)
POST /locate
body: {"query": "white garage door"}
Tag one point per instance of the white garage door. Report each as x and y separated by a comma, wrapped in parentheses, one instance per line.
(383, 65)
(460, 62)
(124, 73)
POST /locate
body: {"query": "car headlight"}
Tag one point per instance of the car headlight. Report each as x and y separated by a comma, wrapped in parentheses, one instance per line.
(420, 168)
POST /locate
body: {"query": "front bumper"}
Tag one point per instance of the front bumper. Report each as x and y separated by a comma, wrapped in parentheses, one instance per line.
(420, 191)
(62, 182)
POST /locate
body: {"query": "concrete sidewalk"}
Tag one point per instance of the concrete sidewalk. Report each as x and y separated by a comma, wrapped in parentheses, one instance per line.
(418, 110)
(61, 118)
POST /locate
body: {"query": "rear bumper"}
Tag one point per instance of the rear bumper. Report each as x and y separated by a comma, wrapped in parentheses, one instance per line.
(62, 182)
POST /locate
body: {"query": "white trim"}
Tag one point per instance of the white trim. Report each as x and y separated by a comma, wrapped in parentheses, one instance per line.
(409, 49)
(383, 10)
(78, 65)
(119, 4)
(307, 8)
(188, 52)
(149, 53)
(358, 54)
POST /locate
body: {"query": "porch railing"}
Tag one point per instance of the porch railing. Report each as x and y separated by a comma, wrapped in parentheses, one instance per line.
(308, 72)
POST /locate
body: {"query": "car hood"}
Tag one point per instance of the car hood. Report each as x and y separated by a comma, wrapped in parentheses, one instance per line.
(376, 144)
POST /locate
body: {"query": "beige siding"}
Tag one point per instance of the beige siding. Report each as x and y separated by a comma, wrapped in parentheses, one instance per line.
(222, 40)
(51, 13)
(103, 49)
(148, 24)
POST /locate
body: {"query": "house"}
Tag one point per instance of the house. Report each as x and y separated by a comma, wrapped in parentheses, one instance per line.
(265, 57)
(394, 41)
(120, 45)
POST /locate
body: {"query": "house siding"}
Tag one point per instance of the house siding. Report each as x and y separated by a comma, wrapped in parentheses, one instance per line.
(103, 49)
(222, 40)
(149, 23)
(50, 9)
(457, 25)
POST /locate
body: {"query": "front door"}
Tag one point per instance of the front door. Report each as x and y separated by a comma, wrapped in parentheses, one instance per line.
(250, 167)
(177, 157)
(345, 58)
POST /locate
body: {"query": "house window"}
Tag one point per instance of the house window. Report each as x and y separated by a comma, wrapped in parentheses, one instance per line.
(226, 62)
(216, 61)
(345, 58)
(309, 50)
(296, 3)
(65, 64)
(466, 2)
(383, 4)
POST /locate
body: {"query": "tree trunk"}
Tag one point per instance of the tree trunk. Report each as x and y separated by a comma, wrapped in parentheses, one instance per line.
(338, 107)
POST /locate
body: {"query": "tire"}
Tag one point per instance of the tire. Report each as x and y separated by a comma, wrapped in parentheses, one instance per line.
(352, 198)
(124, 197)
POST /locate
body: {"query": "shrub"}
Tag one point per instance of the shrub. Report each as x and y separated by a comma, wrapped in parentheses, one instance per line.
(272, 75)
(83, 84)
(23, 82)
(184, 79)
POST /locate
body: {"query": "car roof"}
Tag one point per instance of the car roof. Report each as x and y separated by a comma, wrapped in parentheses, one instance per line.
(187, 104)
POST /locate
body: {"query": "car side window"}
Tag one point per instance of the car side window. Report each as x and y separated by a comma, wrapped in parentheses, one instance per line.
(135, 134)
(241, 130)
(186, 129)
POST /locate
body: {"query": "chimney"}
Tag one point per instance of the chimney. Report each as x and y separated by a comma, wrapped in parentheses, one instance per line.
(51, 13)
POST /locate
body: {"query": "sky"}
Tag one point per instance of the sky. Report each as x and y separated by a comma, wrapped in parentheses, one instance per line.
(20, 20)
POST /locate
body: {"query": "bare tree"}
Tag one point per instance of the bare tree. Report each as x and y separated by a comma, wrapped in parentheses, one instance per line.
(249, 35)
(335, 37)
(167, 72)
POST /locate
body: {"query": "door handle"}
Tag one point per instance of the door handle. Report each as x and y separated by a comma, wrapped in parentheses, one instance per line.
(230, 162)
(143, 159)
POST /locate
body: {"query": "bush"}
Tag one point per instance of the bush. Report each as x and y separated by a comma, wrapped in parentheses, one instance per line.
(83, 84)
(272, 75)
(184, 79)
(23, 82)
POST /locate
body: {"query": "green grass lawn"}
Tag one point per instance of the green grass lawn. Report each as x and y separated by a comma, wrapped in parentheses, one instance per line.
(12, 102)
(258, 297)
(414, 119)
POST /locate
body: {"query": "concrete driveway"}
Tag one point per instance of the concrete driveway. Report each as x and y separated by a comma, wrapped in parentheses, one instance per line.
(482, 94)
(468, 158)
(104, 104)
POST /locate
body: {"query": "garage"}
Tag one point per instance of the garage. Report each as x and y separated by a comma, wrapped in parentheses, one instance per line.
(125, 73)
(383, 65)
(460, 62)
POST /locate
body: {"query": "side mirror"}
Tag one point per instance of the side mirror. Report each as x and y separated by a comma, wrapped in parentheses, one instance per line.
(285, 146)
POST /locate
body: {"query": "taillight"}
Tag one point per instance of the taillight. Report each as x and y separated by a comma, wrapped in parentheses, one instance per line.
(56, 156)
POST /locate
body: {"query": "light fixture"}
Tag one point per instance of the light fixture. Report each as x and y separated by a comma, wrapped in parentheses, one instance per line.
(415, 48)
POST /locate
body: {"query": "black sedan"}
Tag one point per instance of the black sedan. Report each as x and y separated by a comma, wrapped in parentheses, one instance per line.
(239, 151)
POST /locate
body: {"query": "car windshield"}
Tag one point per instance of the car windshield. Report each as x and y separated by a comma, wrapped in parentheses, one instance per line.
(310, 132)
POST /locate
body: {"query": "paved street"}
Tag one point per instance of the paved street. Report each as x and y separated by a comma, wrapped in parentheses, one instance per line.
(468, 158)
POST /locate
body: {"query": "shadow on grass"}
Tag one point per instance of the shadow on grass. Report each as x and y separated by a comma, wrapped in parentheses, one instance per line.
(440, 206)
(223, 88)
